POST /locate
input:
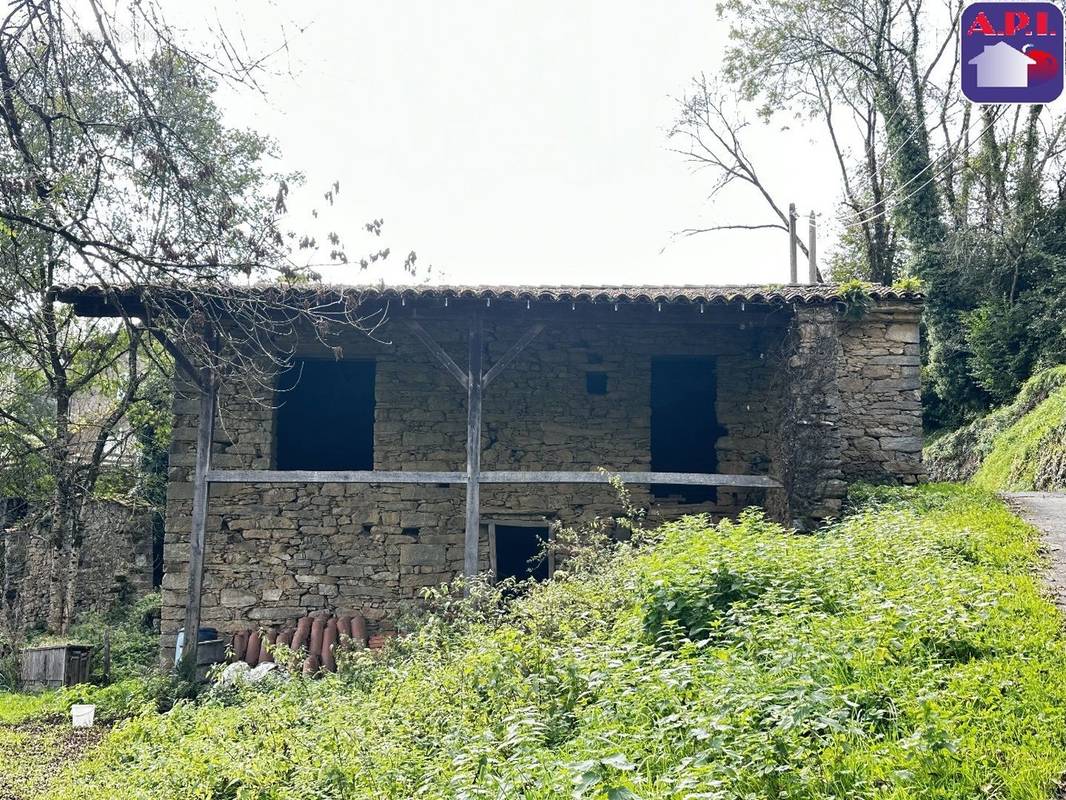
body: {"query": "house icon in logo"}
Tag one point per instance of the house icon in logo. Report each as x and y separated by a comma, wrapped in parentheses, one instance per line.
(1000, 66)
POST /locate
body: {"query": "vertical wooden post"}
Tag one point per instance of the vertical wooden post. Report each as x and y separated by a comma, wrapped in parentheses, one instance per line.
(793, 266)
(107, 656)
(812, 248)
(205, 434)
(473, 450)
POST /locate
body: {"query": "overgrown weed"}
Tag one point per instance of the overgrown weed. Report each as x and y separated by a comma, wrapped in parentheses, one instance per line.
(907, 651)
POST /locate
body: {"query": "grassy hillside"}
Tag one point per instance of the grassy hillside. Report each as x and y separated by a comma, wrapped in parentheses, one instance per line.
(906, 652)
(1019, 447)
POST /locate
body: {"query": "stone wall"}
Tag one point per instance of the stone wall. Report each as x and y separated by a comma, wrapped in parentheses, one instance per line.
(811, 398)
(880, 384)
(274, 552)
(853, 407)
(116, 563)
(808, 441)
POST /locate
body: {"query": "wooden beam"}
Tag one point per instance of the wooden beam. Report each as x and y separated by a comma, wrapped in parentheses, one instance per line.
(198, 535)
(683, 478)
(581, 313)
(473, 449)
(511, 354)
(331, 476)
(439, 353)
(179, 357)
(498, 476)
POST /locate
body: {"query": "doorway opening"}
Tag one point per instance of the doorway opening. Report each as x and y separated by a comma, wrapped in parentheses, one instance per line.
(684, 423)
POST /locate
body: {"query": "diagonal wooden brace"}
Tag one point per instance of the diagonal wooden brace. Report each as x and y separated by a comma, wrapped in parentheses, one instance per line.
(439, 353)
(511, 354)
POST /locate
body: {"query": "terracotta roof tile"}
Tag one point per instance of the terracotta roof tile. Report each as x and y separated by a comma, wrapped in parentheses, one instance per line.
(88, 296)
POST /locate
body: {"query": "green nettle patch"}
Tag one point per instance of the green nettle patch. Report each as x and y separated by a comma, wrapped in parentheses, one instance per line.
(904, 652)
(113, 702)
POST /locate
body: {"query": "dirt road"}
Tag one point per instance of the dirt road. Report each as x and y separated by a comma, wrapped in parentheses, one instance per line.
(1047, 511)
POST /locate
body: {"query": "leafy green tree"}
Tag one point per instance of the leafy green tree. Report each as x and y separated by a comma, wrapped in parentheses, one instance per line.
(964, 197)
(116, 170)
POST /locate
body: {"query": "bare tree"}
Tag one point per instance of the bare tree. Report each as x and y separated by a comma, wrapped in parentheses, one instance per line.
(118, 172)
(709, 135)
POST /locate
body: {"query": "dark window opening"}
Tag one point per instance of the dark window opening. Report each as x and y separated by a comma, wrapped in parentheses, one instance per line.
(325, 418)
(596, 382)
(158, 537)
(684, 424)
(520, 552)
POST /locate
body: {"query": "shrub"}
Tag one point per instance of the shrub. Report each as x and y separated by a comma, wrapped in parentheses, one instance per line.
(1002, 354)
(133, 630)
(9, 664)
(909, 284)
(856, 297)
(113, 702)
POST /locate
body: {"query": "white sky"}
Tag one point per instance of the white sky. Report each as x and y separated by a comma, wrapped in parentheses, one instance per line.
(514, 142)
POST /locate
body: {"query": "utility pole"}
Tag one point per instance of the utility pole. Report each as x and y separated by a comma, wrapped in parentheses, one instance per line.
(793, 266)
(812, 248)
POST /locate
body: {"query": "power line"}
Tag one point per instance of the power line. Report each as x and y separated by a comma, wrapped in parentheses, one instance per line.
(862, 219)
(866, 180)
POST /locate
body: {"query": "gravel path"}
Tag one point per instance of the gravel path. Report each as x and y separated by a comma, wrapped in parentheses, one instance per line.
(1047, 511)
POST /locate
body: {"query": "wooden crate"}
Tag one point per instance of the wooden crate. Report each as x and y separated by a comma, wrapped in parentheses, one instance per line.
(55, 666)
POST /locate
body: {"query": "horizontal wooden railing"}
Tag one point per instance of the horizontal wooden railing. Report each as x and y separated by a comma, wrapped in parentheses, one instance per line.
(490, 476)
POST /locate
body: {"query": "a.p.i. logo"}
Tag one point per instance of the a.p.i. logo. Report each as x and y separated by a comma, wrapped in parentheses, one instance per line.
(1012, 52)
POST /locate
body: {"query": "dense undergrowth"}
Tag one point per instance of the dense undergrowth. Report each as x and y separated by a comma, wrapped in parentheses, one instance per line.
(113, 702)
(135, 679)
(1019, 447)
(905, 652)
(132, 630)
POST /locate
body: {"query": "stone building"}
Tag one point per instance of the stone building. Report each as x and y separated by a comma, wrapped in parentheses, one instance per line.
(775, 396)
(115, 564)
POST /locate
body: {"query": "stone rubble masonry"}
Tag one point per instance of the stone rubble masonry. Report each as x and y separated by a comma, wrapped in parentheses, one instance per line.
(880, 386)
(276, 552)
(808, 438)
(115, 566)
(853, 408)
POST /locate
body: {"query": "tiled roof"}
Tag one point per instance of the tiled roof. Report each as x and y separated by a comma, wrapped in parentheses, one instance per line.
(619, 294)
(86, 299)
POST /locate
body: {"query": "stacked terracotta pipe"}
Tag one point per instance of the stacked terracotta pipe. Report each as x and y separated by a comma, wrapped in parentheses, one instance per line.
(317, 635)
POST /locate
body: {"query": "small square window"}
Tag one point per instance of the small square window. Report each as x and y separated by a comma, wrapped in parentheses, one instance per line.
(517, 550)
(596, 382)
